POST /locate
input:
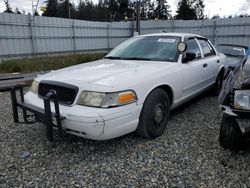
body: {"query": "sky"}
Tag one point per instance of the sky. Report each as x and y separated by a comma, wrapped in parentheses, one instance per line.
(212, 7)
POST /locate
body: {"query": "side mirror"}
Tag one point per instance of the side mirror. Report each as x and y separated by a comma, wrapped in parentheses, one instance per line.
(189, 56)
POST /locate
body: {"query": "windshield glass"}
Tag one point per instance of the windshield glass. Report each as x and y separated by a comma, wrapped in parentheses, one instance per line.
(231, 50)
(152, 48)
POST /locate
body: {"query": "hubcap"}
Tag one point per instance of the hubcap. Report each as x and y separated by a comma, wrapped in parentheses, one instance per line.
(158, 113)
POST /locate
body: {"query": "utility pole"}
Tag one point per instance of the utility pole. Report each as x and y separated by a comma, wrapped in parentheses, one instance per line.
(34, 5)
(138, 16)
(69, 13)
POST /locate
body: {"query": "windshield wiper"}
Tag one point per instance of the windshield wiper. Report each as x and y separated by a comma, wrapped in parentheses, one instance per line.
(112, 57)
(136, 58)
(127, 58)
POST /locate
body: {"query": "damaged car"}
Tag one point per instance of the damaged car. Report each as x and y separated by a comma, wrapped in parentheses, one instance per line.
(235, 103)
(234, 53)
(133, 88)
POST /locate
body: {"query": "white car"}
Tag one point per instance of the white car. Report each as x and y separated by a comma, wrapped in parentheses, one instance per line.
(134, 87)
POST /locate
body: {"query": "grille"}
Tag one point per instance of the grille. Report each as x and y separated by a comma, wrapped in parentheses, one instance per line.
(66, 93)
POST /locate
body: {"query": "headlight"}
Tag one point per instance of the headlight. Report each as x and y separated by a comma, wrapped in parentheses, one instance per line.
(242, 99)
(106, 100)
(34, 87)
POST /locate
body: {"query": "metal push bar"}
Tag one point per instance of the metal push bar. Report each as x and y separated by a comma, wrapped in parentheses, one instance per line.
(41, 115)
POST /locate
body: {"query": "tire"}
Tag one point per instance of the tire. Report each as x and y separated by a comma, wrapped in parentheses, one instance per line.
(231, 136)
(154, 115)
(218, 83)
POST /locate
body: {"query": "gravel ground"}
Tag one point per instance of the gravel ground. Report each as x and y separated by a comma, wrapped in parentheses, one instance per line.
(187, 155)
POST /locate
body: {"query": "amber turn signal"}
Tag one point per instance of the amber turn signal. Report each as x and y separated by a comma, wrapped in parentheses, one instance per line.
(126, 97)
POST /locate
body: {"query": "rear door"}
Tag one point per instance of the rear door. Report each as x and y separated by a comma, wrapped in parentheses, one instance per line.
(192, 71)
(210, 60)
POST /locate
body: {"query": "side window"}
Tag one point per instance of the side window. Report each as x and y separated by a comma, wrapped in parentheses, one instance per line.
(192, 47)
(206, 48)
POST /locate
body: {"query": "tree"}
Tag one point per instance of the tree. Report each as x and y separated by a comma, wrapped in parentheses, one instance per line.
(113, 6)
(199, 6)
(86, 10)
(66, 10)
(8, 8)
(150, 12)
(17, 11)
(161, 9)
(36, 13)
(51, 8)
(216, 16)
(123, 10)
(185, 11)
(101, 11)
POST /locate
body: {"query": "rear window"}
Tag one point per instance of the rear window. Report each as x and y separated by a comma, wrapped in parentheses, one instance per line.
(231, 50)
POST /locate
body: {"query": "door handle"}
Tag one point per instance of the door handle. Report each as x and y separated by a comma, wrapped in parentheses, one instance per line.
(218, 61)
(205, 65)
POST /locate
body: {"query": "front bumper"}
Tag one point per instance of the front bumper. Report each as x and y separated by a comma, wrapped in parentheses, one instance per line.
(92, 123)
(242, 117)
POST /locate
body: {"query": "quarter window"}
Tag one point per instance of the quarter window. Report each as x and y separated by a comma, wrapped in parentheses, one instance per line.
(206, 48)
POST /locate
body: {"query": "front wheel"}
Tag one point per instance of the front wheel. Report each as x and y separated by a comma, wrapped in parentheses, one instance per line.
(231, 136)
(154, 115)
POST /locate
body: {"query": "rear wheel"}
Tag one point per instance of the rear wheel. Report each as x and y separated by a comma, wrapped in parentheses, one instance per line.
(231, 136)
(154, 115)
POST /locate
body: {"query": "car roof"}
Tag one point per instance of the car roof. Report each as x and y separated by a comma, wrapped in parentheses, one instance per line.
(173, 34)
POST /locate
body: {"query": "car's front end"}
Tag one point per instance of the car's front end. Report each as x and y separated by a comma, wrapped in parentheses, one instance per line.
(94, 104)
(235, 103)
(93, 115)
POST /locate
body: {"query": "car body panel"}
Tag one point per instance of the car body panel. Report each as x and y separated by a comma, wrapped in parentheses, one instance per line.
(238, 79)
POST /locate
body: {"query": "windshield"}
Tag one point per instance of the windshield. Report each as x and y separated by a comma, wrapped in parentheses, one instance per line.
(231, 50)
(151, 48)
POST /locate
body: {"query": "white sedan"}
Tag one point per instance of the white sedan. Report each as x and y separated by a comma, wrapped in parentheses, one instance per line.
(134, 87)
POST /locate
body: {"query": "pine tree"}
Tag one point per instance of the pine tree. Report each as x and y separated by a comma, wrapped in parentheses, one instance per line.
(147, 9)
(123, 10)
(162, 9)
(66, 10)
(199, 9)
(17, 11)
(101, 11)
(51, 8)
(151, 13)
(185, 11)
(8, 8)
(113, 6)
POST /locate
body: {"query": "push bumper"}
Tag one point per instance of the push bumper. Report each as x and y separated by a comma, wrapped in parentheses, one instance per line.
(87, 122)
(242, 117)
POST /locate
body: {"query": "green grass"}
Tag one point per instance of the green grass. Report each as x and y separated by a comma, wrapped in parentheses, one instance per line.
(28, 65)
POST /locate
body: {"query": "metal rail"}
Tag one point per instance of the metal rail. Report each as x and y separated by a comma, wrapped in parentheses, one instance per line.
(45, 115)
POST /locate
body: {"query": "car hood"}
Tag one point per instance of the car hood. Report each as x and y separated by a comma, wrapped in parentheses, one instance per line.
(105, 72)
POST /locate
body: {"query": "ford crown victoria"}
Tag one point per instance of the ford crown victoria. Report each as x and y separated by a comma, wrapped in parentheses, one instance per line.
(133, 88)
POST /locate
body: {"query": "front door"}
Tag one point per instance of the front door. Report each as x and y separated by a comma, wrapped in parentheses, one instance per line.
(192, 71)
